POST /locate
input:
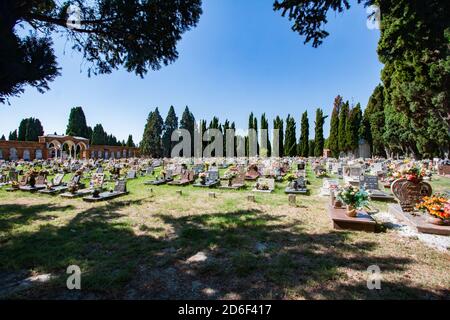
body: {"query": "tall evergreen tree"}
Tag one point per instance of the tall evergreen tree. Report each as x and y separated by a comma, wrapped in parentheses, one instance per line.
(333, 140)
(30, 129)
(99, 135)
(22, 133)
(77, 125)
(278, 124)
(3, 138)
(170, 125)
(311, 148)
(374, 114)
(343, 115)
(303, 146)
(290, 140)
(130, 142)
(319, 140)
(151, 141)
(13, 135)
(352, 128)
(188, 123)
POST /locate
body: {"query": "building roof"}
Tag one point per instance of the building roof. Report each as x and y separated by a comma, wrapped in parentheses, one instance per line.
(64, 137)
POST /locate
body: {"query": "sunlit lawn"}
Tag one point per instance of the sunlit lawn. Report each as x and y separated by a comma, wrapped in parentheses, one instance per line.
(137, 246)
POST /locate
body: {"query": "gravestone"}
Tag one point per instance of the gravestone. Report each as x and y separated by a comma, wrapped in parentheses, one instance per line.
(213, 175)
(121, 186)
(131, 174)
(368, 182)
(409, 193)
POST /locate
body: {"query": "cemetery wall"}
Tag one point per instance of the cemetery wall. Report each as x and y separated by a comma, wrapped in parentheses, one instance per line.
(27, 150)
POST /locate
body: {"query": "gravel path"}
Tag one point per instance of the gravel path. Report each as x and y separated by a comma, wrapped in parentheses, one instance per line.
(442, 243)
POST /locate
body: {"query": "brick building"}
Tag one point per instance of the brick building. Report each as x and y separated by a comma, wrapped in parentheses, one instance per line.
(54, 146)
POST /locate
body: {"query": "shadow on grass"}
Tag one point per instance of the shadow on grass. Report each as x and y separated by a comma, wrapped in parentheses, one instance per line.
(248, 255)
(12, 215)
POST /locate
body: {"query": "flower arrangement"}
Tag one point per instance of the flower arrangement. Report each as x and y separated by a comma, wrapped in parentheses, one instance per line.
(202, 176)
(290, 177)
(262, 186)
(72, 188)
(230, 174)
(413, 174)
(353, 197)
(437, 206)
(322, 174)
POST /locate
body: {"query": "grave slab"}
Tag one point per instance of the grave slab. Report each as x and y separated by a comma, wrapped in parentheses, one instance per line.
(362, 222)
(418, 222)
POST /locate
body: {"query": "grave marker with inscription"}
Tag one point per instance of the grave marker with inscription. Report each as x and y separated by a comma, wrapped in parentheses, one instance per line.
(409, 193)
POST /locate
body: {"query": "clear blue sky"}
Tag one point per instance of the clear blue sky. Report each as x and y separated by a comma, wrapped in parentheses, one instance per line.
(242, 57)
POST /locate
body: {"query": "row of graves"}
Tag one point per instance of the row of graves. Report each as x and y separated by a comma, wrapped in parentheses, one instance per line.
(34, 177)
(407, 182)
(261, 174)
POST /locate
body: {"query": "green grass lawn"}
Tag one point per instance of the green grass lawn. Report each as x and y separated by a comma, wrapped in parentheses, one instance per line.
(138, 246)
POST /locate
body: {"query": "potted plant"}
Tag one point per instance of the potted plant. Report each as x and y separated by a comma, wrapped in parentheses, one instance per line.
(438, 209)
(354, 198)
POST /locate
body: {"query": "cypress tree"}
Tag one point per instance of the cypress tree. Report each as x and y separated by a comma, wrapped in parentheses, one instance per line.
(188, 123)
(13, 135)
(170, 125)
(353, 127)
(77, 125)
(22, 134)
(311, 148)
(319, 140)
(151, 141)
(333, 140)
(30, 129)
(290, 143)
(130, 142)
(374, 114)
(98, 135)
(343, 115)
(303, 146)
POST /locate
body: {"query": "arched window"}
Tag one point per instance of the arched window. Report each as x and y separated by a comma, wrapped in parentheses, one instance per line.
(13, 154)
(124, 153)
(1, 154)
(38, 154)
(118, 154)
(26, 155)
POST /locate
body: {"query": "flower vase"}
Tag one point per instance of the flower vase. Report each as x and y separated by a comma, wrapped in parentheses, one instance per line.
(351, 211)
